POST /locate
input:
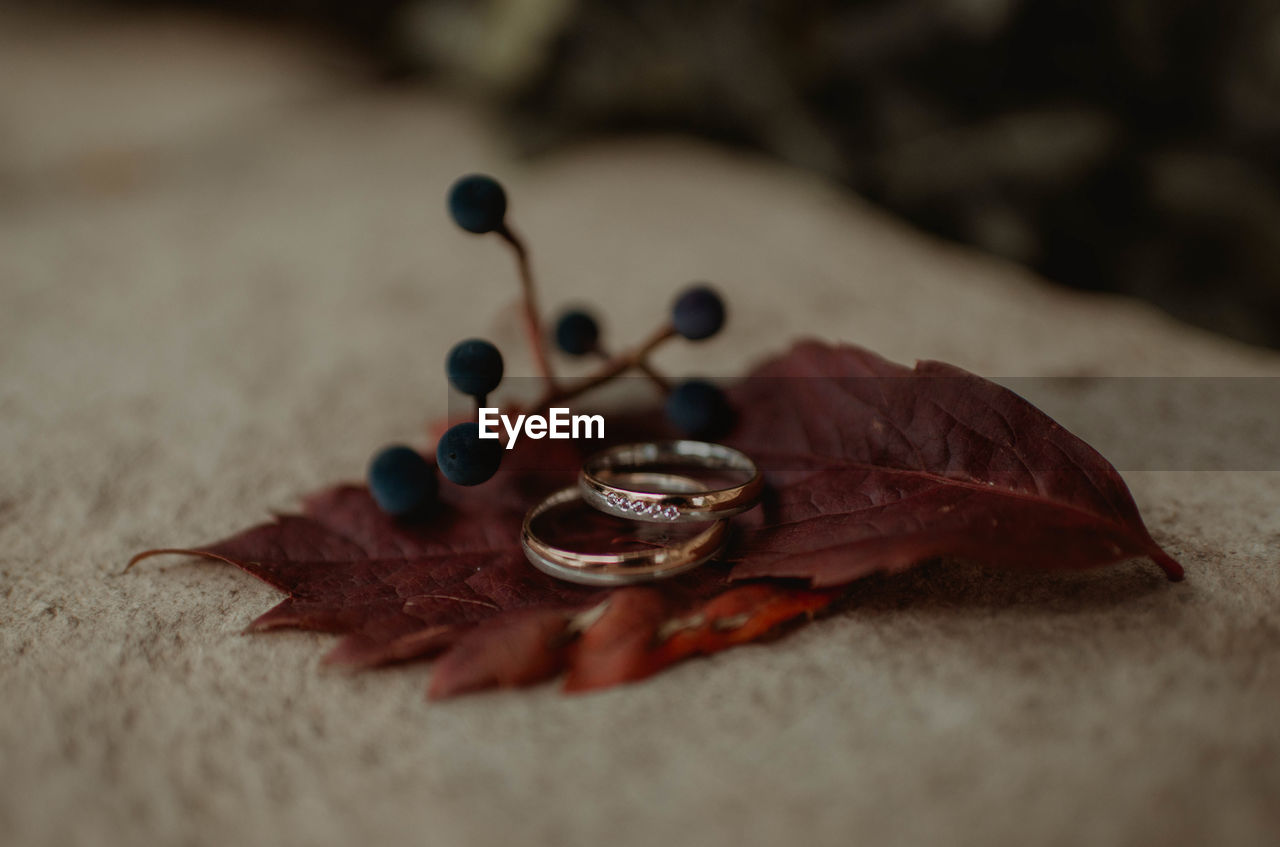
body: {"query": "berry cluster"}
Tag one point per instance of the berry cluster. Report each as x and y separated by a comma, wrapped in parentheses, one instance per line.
(403, 483)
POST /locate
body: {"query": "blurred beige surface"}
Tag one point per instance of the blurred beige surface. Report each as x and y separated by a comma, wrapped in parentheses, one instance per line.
(226, 275)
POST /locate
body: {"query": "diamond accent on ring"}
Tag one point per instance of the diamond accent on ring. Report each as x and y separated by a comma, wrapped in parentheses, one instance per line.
(622, 503)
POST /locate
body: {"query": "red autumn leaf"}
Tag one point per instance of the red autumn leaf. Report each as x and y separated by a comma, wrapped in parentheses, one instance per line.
(457, 586)
(872, 466)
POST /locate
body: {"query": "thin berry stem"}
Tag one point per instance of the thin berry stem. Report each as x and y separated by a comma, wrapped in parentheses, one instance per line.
(663, 384)
(612, 368)
(532, 319)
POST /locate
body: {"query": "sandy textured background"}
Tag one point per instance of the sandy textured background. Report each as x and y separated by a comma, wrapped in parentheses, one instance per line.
(226, 276)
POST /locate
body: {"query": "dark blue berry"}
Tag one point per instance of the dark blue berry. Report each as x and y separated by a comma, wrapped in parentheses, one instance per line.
(478, 203)
(577, 333)
(474, 367)
(699, 408)
(401, 481)
(465, 458)
(698, 313)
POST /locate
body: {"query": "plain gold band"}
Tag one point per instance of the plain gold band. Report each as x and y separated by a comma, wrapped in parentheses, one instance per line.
(625, 568)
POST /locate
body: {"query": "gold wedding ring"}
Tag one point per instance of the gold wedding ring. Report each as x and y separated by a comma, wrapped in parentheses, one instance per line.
(602, 479)
(628, 567)
(626, 482)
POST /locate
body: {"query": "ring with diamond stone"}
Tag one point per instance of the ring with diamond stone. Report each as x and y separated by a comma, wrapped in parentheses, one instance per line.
(630, 566)
(600, 474)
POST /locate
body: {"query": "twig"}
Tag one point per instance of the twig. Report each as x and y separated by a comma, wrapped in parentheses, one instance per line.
(533, 323)
(663, 384)
(611, 369)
